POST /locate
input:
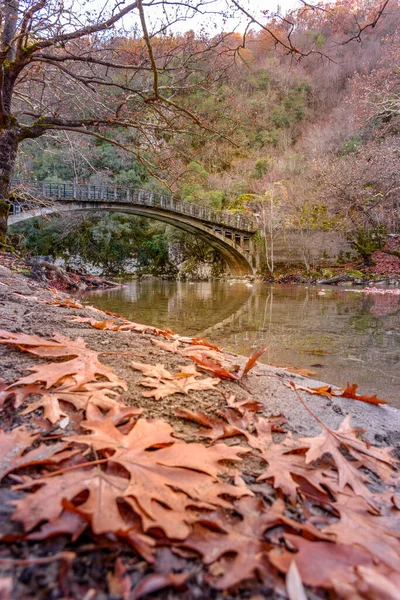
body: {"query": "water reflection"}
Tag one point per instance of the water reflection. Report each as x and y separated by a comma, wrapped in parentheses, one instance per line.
(341, 336)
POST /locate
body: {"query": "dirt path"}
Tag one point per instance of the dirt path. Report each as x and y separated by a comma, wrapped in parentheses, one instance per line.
(27, 308)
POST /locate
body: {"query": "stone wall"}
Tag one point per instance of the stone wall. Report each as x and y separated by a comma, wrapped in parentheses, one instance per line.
(312, 246)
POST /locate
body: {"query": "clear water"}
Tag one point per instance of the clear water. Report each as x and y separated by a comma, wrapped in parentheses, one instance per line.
(340, 336)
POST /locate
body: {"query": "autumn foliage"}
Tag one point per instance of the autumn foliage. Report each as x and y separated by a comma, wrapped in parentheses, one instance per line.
(245, 497)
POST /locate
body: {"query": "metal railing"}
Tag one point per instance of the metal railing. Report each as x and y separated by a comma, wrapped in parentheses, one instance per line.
(78, 192)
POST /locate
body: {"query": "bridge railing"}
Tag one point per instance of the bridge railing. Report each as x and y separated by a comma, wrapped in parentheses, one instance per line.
(78, 192)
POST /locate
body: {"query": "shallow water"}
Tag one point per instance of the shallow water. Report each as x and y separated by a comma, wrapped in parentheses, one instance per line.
(340, 336)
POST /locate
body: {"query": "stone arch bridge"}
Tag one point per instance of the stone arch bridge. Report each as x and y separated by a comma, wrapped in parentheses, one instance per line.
(230, 234)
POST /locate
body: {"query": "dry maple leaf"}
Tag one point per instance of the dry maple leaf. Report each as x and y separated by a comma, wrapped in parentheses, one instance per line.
(377, 534)
(331, 442)
(244, 405)
(350, 392)
(158, 581)
(319, 562)
(46, 504)
(67, 524)
(213, 428)
(368, 583)
(105, 324)
(97, 394)
(166, 387)
(245, 539)
(14, 444)
(323, 390)
(251, 361)
(119, 583)
(84, 368)
(199, 352)
(213, 367)
(174, 476)
(158, 371)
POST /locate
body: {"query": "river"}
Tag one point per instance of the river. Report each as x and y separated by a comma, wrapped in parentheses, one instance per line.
(339, 336)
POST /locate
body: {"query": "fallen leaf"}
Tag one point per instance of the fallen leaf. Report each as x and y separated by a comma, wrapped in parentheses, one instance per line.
(84, 368)
(105, 324)
(244, 404)
(163, 472)
(14, 444)
(67, 523)
(213, 428)
(358, 527)
(158, 371)
(350, 392)
(323, 390)
(90, 394)
(215, 368)
(166, 387)
(159, 581)
(319, 562)
(253, 359)
(243, 538)
(300, 371)
(119, 583)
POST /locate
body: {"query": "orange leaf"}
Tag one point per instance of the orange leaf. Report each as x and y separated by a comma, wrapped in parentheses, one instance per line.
(350, 392)
(253, 359)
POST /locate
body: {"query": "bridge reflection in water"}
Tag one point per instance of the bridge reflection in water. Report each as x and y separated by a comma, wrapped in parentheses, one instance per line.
(341, 336)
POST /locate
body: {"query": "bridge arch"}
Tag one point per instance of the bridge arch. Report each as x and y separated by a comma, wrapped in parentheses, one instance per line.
(227, 233)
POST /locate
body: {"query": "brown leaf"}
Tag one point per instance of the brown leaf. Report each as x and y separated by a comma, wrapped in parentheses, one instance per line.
(67, 523)
(213, 428)
(46, 504)
(84, 368)
(91, 394)
(323, 390)
(14, 444)
(350, 392)
(319, 562)
(119, 583)
(198, 342)
(215, 368)
(245, 539)
(167, 346)
(300, 371)
(242, 405)
(173, 474)
(330, 442)
(159, 581)
(253, 359)
(375, 533)
(166, 387)
(158, 371)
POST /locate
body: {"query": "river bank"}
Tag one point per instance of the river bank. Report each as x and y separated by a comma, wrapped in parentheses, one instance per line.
(233, 409)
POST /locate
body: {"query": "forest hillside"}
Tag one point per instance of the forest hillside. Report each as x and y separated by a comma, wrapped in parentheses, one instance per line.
(307, 141)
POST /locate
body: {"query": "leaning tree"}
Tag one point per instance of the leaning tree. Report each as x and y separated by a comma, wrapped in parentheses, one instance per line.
(63, 67)
(109, 65)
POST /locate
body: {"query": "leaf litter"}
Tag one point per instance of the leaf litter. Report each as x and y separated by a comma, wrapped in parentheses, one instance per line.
(117, 473)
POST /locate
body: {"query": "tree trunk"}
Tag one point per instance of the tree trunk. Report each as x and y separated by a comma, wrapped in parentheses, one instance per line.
(8, 153)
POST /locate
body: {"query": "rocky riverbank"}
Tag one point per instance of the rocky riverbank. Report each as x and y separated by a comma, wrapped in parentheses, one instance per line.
(176, 384)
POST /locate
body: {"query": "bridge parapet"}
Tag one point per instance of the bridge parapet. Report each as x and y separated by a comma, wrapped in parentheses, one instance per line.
(75, 192)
